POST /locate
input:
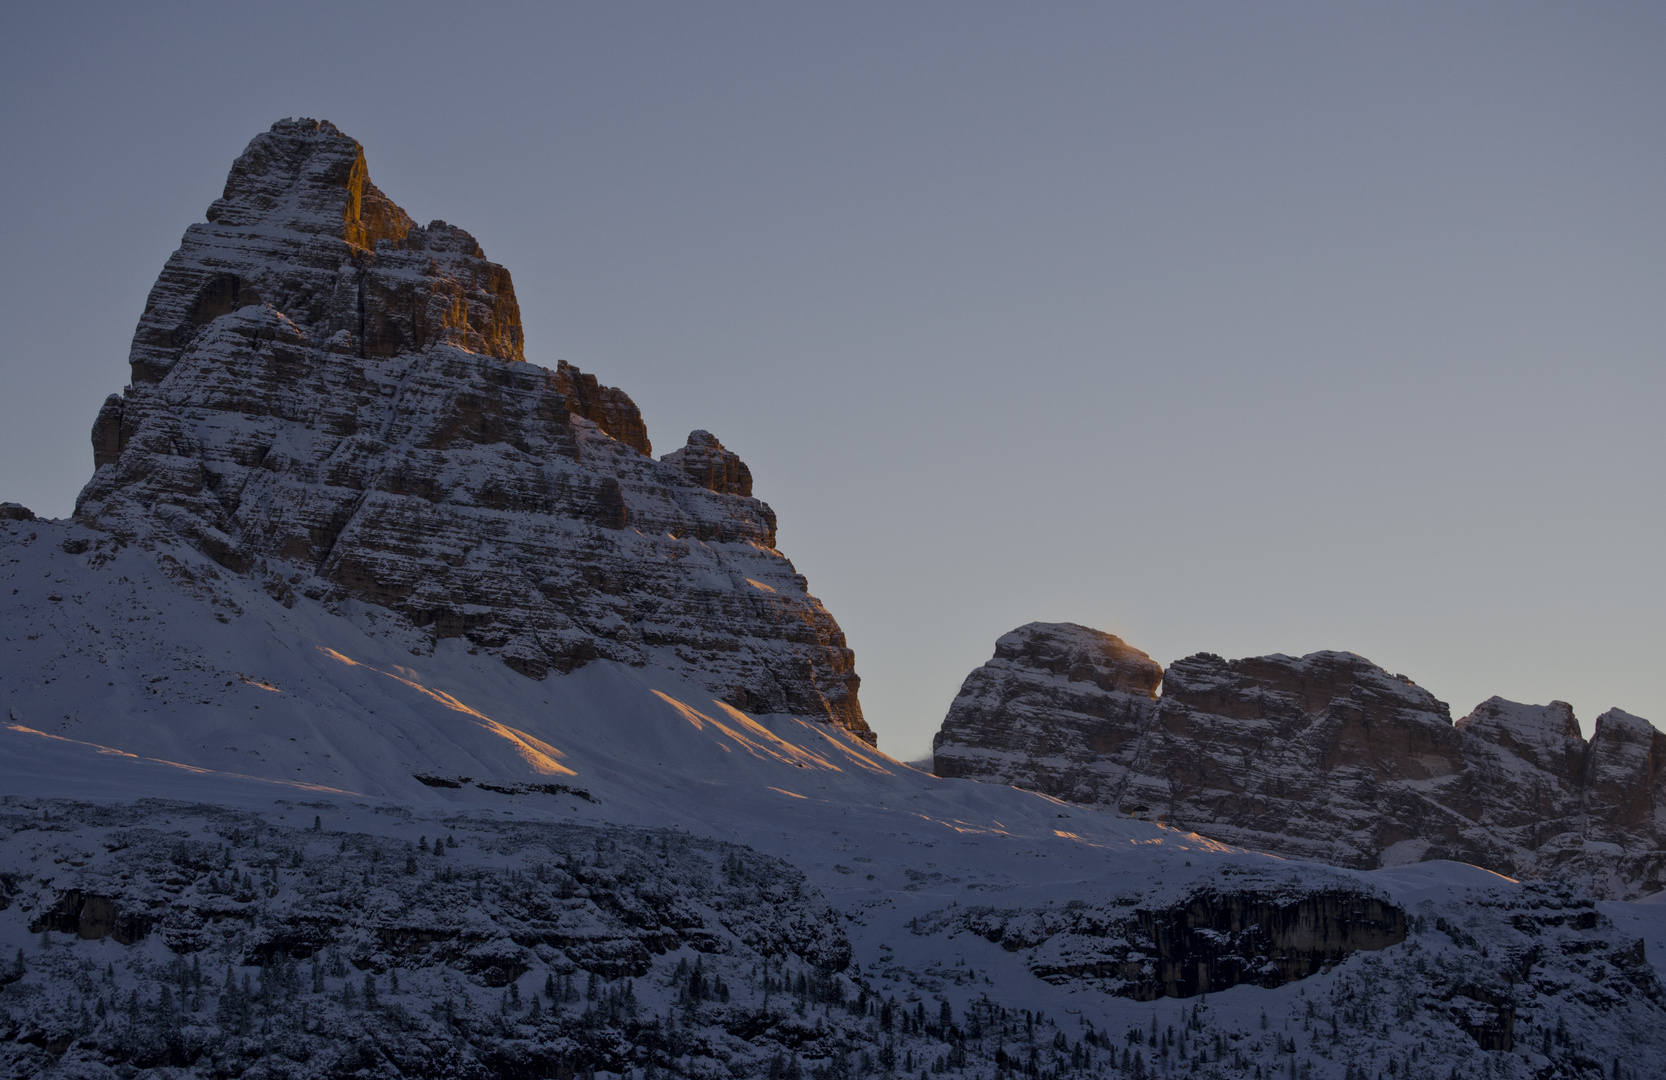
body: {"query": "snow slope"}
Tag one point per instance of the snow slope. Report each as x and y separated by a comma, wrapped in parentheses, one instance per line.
(133, 674)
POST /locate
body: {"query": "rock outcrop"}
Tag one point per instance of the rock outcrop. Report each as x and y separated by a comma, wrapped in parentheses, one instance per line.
(1059, 709)
(337, 399)
(1324, 757)
(707, 463)
(1198, 944)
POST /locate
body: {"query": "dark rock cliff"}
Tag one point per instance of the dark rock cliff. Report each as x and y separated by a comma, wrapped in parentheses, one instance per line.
(1214, 940)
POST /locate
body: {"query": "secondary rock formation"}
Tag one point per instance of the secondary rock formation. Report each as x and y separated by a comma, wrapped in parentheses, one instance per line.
(331, 396)
(1324, 757)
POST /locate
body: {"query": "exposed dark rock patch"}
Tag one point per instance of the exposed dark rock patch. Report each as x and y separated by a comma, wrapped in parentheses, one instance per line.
(1215, 940)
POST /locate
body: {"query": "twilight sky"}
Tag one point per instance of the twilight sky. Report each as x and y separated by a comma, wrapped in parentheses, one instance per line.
(1230, 328)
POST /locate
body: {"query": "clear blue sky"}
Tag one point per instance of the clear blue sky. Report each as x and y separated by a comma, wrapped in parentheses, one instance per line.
(1240, 328)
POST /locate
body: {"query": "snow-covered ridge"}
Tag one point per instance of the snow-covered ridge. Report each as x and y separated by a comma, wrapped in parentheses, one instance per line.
(335, 400)
(1325, 757)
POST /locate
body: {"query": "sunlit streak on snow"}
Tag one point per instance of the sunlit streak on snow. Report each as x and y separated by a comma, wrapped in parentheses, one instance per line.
(538, 753)
(846, 744)
(766, 745)
(760, 585)
(1197, 842)
(263, 685)
(792, 794)
(1203, 842)
(112, 751)
(955, 824)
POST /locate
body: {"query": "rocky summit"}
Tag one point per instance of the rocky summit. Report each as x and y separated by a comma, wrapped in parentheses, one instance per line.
(336, 400)
(1325, 757)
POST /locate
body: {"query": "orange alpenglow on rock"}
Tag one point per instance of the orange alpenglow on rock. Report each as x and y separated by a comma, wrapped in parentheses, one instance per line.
(332, 397)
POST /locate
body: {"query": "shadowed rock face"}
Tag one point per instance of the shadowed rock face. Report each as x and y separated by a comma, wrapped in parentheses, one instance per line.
(1214, 941)
(328, 395)
(1324, 756)
(92, 917)
(1057, 709)
(1210, 940)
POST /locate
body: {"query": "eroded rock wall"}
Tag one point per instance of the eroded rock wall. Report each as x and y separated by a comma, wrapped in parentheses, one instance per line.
(1325, 757)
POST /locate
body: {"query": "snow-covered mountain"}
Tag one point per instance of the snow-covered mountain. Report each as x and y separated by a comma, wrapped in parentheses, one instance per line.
(1325, 757)
(272, 804)
(330, 397)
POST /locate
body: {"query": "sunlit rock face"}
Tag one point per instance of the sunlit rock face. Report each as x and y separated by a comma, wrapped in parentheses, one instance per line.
(1325, 757)
(332, 397)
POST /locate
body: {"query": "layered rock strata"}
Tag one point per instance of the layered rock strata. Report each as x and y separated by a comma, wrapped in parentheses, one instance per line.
(328, 395)
(1325, 757)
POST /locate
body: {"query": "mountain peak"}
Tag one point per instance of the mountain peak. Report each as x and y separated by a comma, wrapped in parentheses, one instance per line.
(307, 176)
(302, 229)
(335, 399)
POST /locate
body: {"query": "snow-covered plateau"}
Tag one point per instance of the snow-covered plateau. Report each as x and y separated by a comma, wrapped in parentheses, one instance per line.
(278, 798)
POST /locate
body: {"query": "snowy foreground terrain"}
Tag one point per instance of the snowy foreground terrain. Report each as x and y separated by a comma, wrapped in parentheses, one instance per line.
(240, 838)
